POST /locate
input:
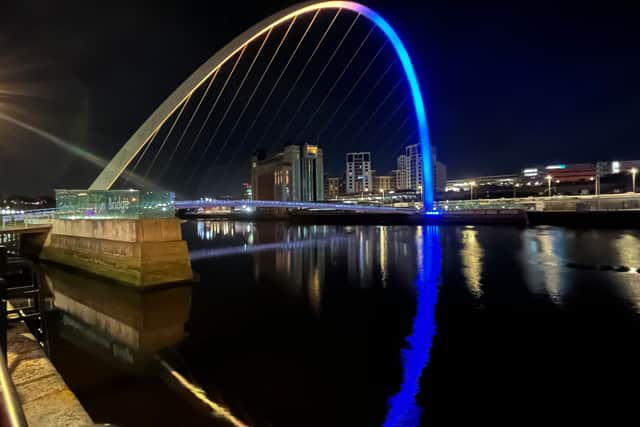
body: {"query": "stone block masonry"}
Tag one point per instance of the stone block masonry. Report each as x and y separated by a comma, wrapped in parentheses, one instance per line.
(138, 252)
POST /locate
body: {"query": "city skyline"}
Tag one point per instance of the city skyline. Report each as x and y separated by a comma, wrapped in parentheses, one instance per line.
(92, 107)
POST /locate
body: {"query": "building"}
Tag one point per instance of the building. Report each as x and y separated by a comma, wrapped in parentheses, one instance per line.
(247, 193)
(414, 167)
(358, 173)
(295, 174)
(616, 166)
(439, 176)
(395, 178)
(409, 175)
(382, 183)
(333, 187)
(311, 173)
(402, 174)
(577, 172)
(491, 180)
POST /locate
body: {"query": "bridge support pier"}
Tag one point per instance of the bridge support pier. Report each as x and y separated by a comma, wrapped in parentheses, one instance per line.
(137, 252)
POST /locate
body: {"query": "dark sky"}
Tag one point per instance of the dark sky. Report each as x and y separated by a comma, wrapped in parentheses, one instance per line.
(507, 84)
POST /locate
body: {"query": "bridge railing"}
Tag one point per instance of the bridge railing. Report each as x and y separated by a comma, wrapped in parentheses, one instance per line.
(30, 217)
(114, 204)
(291, 205)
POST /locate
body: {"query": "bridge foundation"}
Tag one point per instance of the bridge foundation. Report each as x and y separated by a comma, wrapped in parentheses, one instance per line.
(138, 252)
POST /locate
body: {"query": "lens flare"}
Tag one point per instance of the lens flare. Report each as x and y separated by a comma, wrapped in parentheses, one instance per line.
(71, 148)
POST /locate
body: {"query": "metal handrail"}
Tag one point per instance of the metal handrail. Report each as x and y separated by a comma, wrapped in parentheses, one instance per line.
(11, 412)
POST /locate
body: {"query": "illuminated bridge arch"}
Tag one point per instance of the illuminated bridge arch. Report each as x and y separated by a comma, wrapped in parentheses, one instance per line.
(148, 129)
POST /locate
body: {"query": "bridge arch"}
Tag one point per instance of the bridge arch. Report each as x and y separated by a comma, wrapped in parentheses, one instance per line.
(144, 134)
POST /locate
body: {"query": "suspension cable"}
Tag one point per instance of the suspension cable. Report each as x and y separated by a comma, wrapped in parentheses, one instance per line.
(380, 128)
(213, 107)
(405, 142)
(295, 83)
(193, 115)
(233, 100)
(315, 83)
(139, 159)
(363, 102)
(246, 105)
(399, 128)
(346, 97)
(284, 70)
(166, 137)
(335, 83)
(378, 108)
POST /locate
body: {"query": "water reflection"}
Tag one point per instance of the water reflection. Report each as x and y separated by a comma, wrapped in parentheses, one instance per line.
(210, 230)
(403, 409)
(627, 249)
(472, 254)
(114, 320)
(329, 325)
(337, 271)
(544, 258)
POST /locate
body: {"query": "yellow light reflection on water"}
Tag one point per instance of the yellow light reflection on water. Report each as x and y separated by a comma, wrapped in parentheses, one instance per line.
(472, 254)
(217, 409)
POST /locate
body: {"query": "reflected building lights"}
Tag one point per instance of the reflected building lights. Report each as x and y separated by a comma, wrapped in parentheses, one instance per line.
(472, 254)
(627, 247)
(315, 290)
(550, 267)
(544, 254)
(210, 230)
(383, 257)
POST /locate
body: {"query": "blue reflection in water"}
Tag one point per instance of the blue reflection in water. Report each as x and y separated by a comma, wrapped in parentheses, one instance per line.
(403, 409)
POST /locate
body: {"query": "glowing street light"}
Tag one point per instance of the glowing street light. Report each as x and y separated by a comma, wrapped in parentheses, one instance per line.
(471, 185)
(634, 171)
(515, 186)
(382, 191)
(549, 178)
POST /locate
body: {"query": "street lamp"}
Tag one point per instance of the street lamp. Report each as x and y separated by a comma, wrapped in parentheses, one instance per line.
(515, 185)
(382, 191)
(549, 178)
(634, 171)
(596, 182)
(471, 185)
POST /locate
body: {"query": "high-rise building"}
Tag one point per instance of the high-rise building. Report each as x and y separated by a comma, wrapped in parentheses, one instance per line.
(295, 174)
(414, 166)
(402, 176)
(358, 173)
(312, 173)
(409, 175)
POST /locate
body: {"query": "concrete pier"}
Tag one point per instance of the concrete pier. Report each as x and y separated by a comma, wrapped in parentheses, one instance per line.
(138, 252)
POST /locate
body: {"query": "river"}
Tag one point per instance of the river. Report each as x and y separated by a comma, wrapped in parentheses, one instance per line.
(364, 326)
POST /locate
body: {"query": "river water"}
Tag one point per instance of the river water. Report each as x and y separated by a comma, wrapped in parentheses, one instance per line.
(364, 326)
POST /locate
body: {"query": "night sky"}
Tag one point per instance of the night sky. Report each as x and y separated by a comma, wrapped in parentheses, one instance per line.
(506, 85)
